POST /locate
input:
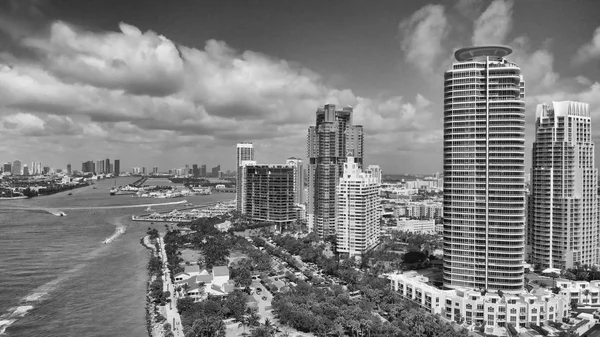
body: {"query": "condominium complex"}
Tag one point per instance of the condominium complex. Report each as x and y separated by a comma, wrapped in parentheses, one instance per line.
(484, 168)
(298, 179)
(358, 209)
(269, 193)
(330, 142)
(563, 205)
(244, 153)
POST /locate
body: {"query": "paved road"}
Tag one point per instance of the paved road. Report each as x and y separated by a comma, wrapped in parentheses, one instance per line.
(172, 315)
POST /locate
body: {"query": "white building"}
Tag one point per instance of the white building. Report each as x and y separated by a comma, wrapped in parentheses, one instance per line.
(358, 208)
(563, 217)
(244, 153)
(484, 169)
(416, 226)
(584, 292)
(241, 185)
(494, 309)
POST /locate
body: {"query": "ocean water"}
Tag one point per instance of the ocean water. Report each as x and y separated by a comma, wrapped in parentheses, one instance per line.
(58, 278)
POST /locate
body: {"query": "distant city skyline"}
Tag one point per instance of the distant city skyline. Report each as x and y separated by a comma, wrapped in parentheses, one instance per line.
(65, 94)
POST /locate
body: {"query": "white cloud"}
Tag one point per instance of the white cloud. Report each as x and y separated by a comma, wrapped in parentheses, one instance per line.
(494, 24)
(422, 36)
(132, 90)
(590, 50)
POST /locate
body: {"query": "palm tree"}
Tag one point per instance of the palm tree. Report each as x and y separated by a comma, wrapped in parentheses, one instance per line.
(243, 323)
(269, 326)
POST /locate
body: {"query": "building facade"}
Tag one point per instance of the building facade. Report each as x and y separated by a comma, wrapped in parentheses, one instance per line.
(269, 193)
(117, 168)
(358, 209)
(244, 154)
(107, 166)
(484, 168)
(17, 168)
(7, 168)
(215, 171)
(494, 310)
(330, 142)
(298, 179)
(563, 205)
(241, 196)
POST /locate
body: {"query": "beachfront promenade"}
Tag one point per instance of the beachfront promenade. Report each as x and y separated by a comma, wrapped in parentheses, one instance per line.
(171, 313)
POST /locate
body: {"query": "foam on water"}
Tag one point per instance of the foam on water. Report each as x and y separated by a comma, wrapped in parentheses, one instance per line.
(13, 314)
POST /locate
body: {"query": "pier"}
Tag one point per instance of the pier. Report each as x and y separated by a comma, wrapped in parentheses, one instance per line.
(138, 183)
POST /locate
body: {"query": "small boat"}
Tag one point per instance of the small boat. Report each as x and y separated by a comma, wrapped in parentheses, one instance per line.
(149, 209)
(70, 193)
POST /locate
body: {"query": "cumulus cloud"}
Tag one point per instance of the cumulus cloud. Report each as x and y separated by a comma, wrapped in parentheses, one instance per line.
(114, 90)
(139, 63)
(422, 36)
(494, 24)
(590, 50)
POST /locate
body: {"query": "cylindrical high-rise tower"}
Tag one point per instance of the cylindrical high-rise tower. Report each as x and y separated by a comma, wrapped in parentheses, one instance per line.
(484, 169)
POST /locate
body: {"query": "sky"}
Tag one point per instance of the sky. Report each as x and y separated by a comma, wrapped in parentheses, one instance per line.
(169, 83)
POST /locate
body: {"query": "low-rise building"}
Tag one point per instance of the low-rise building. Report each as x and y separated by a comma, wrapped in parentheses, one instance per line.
(583, 292)
(491, 309)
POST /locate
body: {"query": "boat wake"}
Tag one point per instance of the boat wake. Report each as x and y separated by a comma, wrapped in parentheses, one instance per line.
(120, 230)
(38, 295)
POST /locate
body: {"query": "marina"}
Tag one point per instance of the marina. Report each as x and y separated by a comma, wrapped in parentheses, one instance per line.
(186, 215)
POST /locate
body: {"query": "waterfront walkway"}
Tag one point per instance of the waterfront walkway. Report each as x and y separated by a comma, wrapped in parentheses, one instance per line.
(172, 315)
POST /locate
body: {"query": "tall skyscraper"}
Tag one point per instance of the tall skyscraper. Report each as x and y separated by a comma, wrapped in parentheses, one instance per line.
(144, 170)
(269, 193)
(16, 168)
(358, 209)
(100, 166)
(117, 170)
(195, 171)
(107, 166)
(155, 170)
(241, 192)
(215, 171)
(244, 154)
(484, 168)
(203, 170)
(7, 167)
(244, 151)
(563, 219)
(298, 179)
(33, 170)
(330, 142)
(25, 170)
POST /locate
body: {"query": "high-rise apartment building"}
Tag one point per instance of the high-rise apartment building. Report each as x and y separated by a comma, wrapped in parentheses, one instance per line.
(269, 193)
(330, 142)
(484, 168)
(69, 169)
(46, 170)
(298, 179)
(144, 170)
(203, 170)
(100, 166)
(155, 170)
(241, 192)
(107, 166)
(17, 170)
(215, 171)
(7, 168)
(25, 170)
(195, 171)
(358, 209)
(33, 170)
(563, 218)
(244, 154)
(117, 168)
